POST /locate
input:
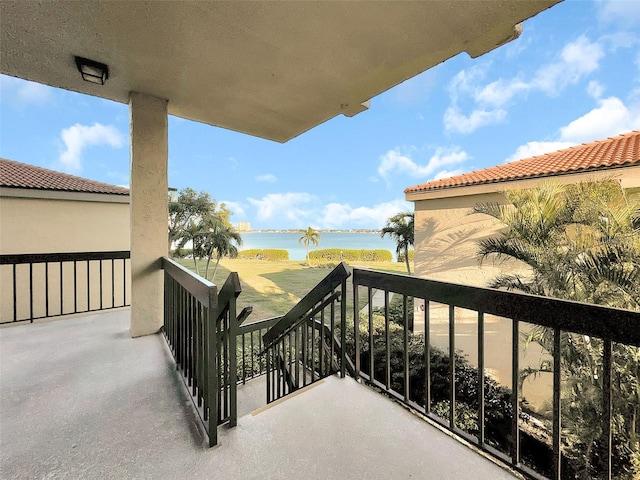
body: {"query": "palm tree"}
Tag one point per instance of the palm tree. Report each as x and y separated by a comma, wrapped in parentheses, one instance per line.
(400, 228)
(310, 235)
(580, 242)
(219, 239)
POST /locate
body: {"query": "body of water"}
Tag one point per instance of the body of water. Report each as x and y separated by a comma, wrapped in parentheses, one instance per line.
(289, 241)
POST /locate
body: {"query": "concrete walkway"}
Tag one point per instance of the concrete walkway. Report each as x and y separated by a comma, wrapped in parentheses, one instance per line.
(81, 399)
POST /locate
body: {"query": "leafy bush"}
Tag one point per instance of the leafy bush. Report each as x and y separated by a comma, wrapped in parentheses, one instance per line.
(401, 256)
(396, 311)
(362, 255)
(272, 254)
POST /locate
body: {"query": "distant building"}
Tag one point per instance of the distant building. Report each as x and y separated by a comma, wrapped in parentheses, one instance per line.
(244, 227)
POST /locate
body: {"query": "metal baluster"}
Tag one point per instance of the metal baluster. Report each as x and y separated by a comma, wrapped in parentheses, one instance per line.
(387, 346)
(333, 332)
(113, 283)
(356, 330)
(46, 289)
(31, 292)
(427, 359)
(480, 379)
(15, 296)
(88, 286)
(452, 368)
(75, 286)
(101, 279)
(305, 353)
(557, 412)
(370, 320)
(607, 405)
(405, 341)
(320, 343)
(515, 375)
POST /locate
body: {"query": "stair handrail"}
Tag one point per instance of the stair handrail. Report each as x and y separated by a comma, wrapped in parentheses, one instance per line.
(298, 313)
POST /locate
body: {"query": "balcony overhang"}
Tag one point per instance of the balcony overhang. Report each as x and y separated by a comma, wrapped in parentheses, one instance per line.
(269, 69)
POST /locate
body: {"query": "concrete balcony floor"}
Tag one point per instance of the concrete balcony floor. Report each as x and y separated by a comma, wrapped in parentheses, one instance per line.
(81, 399)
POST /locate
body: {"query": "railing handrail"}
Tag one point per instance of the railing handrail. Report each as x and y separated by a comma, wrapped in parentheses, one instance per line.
(229, 291)
(609, 323)
(20, 258)
(308, 302)
(196, 285)
(258, 325)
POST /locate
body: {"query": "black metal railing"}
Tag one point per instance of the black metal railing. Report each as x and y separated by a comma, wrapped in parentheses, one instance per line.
(251, 363)
(200, 326)
(301, 348)
(44, 285)
(398, 358)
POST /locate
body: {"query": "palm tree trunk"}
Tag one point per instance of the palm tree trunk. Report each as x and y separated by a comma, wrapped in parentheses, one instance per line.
(308, 259)
(206, 270)
(406, 259)
(195, 264)
(215, 269)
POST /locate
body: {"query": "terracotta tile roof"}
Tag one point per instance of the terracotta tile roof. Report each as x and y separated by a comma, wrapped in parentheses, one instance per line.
(20, 175)
(614, 152)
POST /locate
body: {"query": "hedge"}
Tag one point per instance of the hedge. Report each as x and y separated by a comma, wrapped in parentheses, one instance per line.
(271, 254)
(411, 255)
(338, 255)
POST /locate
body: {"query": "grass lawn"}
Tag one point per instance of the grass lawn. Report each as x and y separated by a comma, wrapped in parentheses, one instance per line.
(272, 288)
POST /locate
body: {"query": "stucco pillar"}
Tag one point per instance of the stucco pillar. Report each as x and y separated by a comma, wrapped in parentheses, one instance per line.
(149, 152)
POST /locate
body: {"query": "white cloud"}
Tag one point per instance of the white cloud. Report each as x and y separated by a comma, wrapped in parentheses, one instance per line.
(500, 92)
(292, 206)
(267, 177)
(337, 215)
(455, 121)
(595, 89)
(236, 208)
(623, 12)
(22, 92)
(466, 81)
(78, 137)
(575, 61)
(449, 173)
(611, 117)
(531, 149)
(394, 162)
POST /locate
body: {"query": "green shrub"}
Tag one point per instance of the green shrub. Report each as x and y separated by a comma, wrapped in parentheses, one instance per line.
(272, 254)
(340, 254)
(411, 255)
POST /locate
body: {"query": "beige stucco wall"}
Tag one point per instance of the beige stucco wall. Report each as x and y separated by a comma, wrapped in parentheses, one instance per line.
(446, 236)
(34, 225)
(60, 222)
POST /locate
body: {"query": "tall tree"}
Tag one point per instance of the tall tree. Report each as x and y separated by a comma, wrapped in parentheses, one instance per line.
(400, 228)
(189, 208)
(310, 235)
(219, 239)
(580, 242)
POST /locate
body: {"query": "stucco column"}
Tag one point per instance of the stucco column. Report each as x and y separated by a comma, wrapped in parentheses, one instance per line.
(149, 152)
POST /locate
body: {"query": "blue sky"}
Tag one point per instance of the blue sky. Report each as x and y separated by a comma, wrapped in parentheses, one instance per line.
(573, 76)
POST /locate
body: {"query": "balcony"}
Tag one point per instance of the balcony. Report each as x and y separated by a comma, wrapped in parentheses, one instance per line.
(81, 399)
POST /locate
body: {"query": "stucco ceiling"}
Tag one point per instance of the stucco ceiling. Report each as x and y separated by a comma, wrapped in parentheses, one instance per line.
(270, 69)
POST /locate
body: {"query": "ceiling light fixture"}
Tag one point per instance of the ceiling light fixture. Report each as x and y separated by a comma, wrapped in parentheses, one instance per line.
(92, 71)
